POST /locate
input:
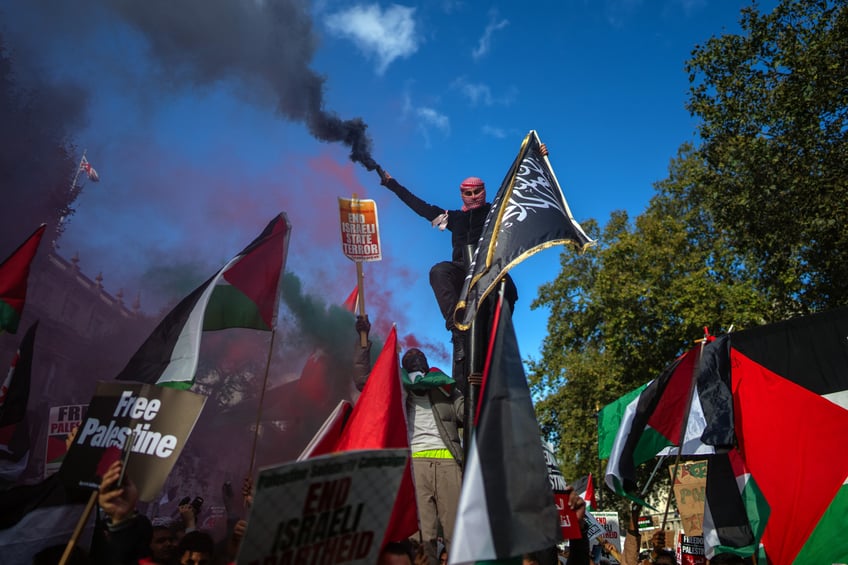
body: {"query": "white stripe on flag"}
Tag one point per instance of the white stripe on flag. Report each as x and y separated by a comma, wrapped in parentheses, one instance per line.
(184, 356)
(473, 514)
(695, 426)
(614, 462)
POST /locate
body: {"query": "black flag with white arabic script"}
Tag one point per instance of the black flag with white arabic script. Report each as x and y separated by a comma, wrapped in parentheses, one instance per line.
(529, 214)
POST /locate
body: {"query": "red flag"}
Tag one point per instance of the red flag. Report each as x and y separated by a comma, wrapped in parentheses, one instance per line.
(328, 435)
(589, 497)
(352, 301)
(378, 422)
(14, 272)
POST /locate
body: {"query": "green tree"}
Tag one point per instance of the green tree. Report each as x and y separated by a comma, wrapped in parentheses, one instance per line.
(626, 308)
(772, 104)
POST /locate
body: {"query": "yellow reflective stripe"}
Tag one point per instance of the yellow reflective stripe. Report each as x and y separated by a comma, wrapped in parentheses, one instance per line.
(434, 454)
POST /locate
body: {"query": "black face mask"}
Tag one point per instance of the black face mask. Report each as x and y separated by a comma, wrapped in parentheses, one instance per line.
(414, 360)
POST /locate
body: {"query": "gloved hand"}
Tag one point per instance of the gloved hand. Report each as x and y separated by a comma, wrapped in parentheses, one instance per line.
(385, 177)
(363, 325)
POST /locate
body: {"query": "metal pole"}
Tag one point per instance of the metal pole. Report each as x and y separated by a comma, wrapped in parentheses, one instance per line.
(474, 375)
(261, 400)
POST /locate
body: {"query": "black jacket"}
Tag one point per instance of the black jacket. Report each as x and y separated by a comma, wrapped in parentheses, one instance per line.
(465, 226)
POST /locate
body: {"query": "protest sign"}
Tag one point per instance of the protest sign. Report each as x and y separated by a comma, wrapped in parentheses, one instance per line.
(690, 492)
(330, 509)
(360, 229)
(60, 421)
(159, 419)
(690, 550)
(567, 517)
(612, 528)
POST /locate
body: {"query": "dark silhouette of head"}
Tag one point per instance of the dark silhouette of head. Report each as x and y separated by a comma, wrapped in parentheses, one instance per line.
(415, 360)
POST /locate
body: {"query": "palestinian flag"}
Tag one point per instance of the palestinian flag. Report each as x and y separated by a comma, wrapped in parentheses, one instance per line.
(506, 507)
(646, 421)
(790, 395)
(14, 272)
(377, 421)
(351, 303)
(735, 512)
(528, 214)
(589, 495)
(244, 294)
(14, 398)
(34, 517)
(585, 487)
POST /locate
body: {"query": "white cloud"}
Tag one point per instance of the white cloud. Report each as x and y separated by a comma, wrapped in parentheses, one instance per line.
(495, 132)
(485, 42)
(480, 94)
(426, 119)
(385, 35)
(430, 117)
(477, 93)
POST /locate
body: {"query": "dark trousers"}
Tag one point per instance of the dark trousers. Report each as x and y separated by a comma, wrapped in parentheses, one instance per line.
(447, 278)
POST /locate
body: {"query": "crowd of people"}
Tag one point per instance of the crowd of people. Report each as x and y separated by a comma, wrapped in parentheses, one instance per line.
(435, 411)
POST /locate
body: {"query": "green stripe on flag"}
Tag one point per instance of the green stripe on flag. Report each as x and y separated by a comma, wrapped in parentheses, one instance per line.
(756, 508)
(9, 318)
(609, 420)
(828, 542)
(229, 307)
(650, 443)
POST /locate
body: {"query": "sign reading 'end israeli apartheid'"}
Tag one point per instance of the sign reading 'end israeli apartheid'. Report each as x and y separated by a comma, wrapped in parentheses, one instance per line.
(330, 509)
(158, 421)
(360, 229)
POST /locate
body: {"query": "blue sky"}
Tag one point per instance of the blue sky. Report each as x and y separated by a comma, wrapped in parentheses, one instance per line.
(190, 120)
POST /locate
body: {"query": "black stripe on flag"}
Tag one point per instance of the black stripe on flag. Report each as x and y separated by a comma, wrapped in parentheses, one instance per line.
(522, 513)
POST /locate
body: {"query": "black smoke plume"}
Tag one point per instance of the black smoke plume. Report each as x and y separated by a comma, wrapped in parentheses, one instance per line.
(264, 48)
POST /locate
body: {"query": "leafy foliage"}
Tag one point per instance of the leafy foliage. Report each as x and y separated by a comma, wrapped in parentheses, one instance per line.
(747, 228)
(628, 307)
(773, 109)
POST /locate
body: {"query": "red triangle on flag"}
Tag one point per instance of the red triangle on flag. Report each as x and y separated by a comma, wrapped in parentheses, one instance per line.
(378, 422)
(14, 273)
(791, 440)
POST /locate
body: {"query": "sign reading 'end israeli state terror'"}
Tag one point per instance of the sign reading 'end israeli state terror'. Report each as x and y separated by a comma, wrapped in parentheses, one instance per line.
(360, 229)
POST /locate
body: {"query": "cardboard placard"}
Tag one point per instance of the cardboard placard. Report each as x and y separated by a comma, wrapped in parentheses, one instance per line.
(567, 517)
(360, 229)
(690, 488)
(612, 528)
(60, 421)
(690, 550)
(329, 509)
(161, 420)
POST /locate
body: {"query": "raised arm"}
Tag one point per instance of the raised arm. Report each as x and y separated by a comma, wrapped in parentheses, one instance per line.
(423, 209)
(362, 355)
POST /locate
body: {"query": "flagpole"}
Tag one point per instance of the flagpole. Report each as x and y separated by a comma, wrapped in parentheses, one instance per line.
(261, 400)
(78, 529)
(79, 168)
(360, 285)
(683, 424)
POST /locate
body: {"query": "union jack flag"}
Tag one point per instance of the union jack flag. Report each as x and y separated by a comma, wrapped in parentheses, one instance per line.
(86, 167)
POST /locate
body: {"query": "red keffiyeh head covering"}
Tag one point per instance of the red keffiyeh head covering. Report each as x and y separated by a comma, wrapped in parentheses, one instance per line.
(473, 191)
